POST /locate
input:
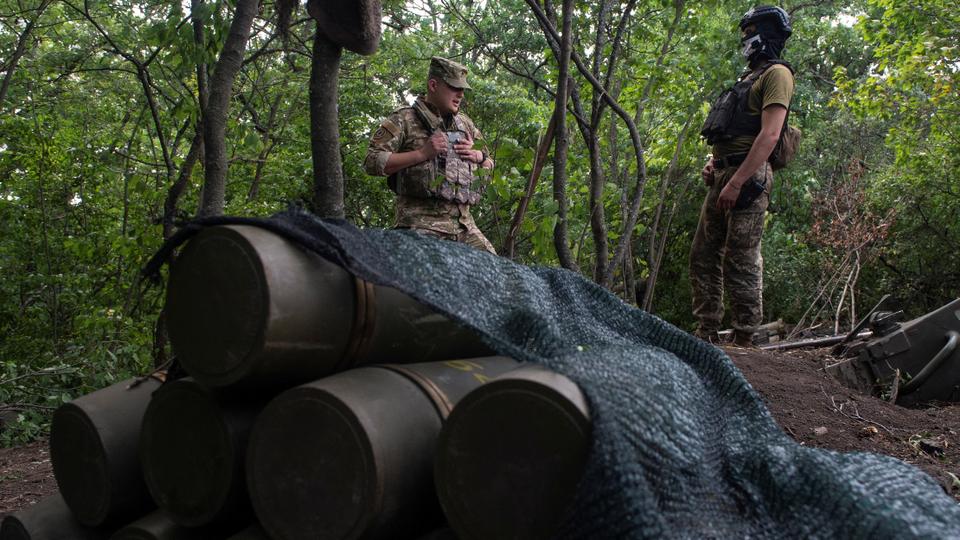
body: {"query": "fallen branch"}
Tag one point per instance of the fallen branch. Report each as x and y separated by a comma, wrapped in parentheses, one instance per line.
(895, 386)
(41, 373)
(24, 407)
(856, 412)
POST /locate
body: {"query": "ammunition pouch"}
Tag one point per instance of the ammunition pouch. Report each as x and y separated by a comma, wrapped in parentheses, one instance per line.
(458, 177)
(446, 177)
(721, 123)
(415, 181)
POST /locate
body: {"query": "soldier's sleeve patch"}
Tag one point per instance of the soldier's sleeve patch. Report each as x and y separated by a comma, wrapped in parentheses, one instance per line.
(386, 132)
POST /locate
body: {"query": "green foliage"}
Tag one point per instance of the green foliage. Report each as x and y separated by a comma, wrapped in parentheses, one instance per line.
(911, 88)
(87, 161)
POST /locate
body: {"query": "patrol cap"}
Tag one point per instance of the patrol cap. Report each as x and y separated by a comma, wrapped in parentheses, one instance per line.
(453, 73)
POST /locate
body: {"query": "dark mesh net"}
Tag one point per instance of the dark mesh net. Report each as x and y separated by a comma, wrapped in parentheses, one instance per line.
(682, 445)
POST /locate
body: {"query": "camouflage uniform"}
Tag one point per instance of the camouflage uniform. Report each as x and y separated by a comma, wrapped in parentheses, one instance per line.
(726, 252)
(726, 247)
(433, 197)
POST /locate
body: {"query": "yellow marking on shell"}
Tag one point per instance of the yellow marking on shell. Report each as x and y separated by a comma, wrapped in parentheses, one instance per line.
(463, 365)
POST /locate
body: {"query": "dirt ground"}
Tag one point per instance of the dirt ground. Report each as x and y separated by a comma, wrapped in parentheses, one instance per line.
(818, 411)
(811, 407)
(26, 476)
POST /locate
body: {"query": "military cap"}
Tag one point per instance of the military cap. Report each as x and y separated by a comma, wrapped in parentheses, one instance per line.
(453, 73)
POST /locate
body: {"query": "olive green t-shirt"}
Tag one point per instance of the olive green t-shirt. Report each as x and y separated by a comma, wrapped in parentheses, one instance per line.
(774, 87)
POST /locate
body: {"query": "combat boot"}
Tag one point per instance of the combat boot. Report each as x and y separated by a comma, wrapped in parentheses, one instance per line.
(743, 340)
(710, 336)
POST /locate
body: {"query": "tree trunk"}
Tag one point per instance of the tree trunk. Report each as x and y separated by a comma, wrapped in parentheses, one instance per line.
(325, 129)
(614, 172)
(215, 117)
(598, 218)
(538, 162)
(268, 141)
(598, 223)
(20, 50)
(658, 236)
(627, 230)
(199, 38)
(176, 190)
(560, 233)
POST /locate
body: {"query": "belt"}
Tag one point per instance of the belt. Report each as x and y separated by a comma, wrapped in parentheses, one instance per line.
(732, 160)
(434, 204)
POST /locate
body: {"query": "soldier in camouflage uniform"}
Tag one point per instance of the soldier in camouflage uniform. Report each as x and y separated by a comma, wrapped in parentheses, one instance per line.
(427, 152)
(726, 247)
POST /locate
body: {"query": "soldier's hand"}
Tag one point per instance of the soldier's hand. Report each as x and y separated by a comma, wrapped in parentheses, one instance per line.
(728, 196)
(436, 144)
(464, 149)
(708, 172)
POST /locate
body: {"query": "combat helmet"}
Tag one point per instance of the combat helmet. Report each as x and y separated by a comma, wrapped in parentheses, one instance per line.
(770, 30)
(764, 15)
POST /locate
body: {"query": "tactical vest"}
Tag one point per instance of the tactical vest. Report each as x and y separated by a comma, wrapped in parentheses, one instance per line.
(446, 176)
(728, 116)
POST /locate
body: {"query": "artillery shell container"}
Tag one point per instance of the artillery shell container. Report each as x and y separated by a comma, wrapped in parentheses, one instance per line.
(350, 456)
(247, 307)
(443, 533)
(158, 526)
(193, 447)
(253, 532)
(511, 455)
(93, 448)
(49, 519)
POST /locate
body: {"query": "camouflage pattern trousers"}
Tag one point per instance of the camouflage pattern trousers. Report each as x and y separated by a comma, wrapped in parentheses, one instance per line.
(726, 254)
(441, 219)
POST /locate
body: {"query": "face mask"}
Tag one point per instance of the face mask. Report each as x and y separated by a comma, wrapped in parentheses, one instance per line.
(751, 45)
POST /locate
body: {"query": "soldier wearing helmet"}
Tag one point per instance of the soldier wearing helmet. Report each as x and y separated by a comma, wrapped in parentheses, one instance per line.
(743, 127)
(427, 152)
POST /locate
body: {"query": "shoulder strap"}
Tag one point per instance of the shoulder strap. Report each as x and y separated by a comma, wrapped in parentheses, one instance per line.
(423, 119)
(762, 68)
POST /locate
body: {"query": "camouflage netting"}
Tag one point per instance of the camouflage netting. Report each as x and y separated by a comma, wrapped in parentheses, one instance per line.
(683, 446)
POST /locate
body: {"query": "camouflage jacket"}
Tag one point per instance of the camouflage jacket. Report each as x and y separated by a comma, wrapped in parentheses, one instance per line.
(446, 176)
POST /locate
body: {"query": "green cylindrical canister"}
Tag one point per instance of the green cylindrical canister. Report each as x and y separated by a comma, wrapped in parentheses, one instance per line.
(93, 448)
(350, 456)
(193, 448)
(253, 532)
(245, 306)
(443, 533)
(49, 519)
(158, 526)
(511, 454)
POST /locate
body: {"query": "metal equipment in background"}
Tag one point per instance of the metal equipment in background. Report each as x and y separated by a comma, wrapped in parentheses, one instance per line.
(912, 362)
